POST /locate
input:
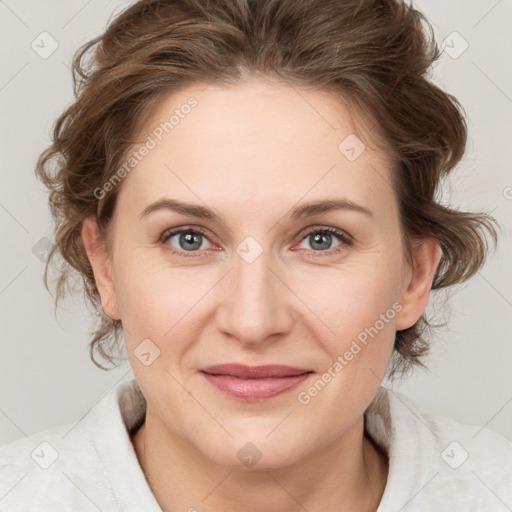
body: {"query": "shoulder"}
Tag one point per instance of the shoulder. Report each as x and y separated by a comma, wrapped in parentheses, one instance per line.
(55, 466)
(472, 461)
(61, 465)
(87, 465)
(437, 462)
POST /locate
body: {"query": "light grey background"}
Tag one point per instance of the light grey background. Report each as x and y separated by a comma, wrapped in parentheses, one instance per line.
(46, 376)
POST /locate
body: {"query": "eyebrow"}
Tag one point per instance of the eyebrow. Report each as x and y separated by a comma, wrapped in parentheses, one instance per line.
(303, 211)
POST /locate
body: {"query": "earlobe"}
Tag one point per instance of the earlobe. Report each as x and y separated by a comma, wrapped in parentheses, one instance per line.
(101, 265)
(417, 287)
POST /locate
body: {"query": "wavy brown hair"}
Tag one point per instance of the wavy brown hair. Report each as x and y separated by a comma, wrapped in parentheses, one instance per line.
(374, 53)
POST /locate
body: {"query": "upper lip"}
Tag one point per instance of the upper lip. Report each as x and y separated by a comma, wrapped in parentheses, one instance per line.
(253, 372)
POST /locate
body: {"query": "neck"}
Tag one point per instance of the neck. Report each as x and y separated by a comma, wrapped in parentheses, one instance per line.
(346, 475)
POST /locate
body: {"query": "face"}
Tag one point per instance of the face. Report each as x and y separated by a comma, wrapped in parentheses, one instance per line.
(259, 280)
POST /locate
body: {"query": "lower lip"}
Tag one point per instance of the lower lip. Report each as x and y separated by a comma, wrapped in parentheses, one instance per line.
(255, 389)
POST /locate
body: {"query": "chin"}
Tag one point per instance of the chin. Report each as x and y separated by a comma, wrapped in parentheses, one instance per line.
(259, 454)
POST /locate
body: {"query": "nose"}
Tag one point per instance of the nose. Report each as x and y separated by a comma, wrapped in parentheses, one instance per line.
(256, 306)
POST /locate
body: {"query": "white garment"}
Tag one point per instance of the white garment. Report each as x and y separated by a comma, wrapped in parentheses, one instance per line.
(435, 463)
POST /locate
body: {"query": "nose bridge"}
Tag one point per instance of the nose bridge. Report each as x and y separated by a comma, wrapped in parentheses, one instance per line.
(254, 306)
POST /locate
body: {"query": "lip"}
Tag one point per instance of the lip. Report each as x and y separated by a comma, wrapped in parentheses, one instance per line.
(243, 371)
(254, 383)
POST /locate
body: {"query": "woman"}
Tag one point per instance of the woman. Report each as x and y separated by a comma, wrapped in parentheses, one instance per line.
(247, 191)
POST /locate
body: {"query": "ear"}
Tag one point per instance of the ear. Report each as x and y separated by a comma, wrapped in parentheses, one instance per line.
(102, 267)
(418, 283)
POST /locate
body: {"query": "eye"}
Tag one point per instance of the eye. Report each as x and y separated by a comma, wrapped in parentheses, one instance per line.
(321, 239)
(188, 240)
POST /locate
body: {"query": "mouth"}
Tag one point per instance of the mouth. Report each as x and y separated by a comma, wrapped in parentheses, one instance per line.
(254, 383)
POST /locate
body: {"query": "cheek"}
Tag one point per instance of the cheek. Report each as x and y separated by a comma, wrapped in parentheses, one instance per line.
(352, 311)
(356, 328)
(151, 297)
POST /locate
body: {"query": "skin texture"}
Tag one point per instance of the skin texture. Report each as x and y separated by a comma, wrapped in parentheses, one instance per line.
(252, 152)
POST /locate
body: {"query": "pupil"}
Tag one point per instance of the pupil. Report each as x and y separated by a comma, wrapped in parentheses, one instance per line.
(189, 239)
(318, 239)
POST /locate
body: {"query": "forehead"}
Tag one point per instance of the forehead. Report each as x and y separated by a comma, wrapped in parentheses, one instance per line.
(261, 141)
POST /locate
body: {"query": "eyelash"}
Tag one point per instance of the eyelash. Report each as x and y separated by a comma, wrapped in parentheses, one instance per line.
(345, 239)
